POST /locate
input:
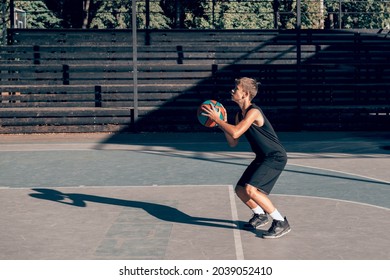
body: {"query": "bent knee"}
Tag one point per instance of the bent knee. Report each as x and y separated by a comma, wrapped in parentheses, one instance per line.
(247, 189)
(253, 193)
(250, 190)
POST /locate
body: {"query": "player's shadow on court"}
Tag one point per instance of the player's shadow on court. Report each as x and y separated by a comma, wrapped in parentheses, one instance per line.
(162, 212)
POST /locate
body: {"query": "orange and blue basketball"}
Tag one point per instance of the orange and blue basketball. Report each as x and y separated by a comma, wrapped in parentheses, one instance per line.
(205, 120)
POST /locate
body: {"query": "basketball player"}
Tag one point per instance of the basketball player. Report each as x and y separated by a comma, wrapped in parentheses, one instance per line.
(261, 175)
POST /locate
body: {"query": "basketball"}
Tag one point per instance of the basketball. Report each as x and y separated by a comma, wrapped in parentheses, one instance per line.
(205, 120)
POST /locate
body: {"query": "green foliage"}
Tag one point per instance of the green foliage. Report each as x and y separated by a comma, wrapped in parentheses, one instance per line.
(360, 14)
(157, 18)
(38, 15)
(206, 14)
(110, 14)
(184, 14)
(243, 15)
(117, 14)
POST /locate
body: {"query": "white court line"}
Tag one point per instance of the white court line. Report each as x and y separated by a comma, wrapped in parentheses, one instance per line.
(236, 231)
(333, 199)
(341, 172)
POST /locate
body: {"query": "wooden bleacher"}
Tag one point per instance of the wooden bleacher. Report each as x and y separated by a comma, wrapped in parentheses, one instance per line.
(81, 80)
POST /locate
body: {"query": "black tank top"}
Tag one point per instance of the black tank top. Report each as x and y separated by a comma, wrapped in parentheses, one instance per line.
(264, 142)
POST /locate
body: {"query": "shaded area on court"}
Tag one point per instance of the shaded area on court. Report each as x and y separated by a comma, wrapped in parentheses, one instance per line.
(161, 212)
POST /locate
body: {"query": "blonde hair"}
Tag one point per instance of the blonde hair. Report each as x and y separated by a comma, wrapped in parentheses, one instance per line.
(248, 85)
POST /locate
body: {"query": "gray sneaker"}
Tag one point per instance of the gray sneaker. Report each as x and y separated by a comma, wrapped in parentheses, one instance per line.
(277, 229)
(257, 220)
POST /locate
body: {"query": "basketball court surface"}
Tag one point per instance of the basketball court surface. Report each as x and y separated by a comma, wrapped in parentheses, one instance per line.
(171, 197)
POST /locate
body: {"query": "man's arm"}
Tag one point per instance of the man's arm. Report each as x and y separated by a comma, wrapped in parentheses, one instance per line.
(234, 132)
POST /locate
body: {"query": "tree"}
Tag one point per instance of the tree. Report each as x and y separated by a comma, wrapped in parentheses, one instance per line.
(358, 13)
(117, 14)
(38, 14)
(287, 14)
(312, 14)
(219, 14)
(69, 11)
(183, 13)
(109, 14)
(157, 18)
(365, 14)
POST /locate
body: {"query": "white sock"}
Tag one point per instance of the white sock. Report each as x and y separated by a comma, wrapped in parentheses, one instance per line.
(276, 215)
(258, 210)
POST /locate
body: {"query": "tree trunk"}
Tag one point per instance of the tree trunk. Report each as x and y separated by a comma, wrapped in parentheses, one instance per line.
(86, 5)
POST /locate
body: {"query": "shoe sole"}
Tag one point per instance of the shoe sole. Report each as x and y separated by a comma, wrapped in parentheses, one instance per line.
(257, 227)
(276, 236)
(261, 225)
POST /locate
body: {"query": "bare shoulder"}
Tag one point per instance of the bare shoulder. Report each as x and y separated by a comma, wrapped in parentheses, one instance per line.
(256, 115)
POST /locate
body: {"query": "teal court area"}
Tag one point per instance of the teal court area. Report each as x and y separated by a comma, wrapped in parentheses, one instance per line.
(171, 197)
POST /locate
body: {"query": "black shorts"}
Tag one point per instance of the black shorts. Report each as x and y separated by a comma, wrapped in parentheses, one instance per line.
(260, 175)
